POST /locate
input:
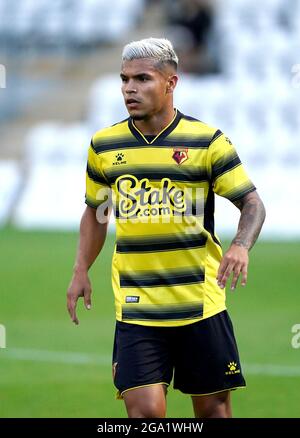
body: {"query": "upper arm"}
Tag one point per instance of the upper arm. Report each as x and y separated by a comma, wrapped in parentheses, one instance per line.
(228, 175)
(252, 197)
(92, 220)
(97, 187)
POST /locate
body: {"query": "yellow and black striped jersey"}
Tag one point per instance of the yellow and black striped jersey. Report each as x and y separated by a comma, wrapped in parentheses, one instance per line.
(167, 253)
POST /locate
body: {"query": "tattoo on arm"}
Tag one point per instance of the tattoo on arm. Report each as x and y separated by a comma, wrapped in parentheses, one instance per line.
(252, 218)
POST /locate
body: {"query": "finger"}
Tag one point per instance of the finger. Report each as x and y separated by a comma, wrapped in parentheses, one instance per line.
(72, 309)
(74, 316)
(222, 282)
(69, 306)
(222, 269)
(235, 277)
(75, 320)
(244, 275)
(87, 298)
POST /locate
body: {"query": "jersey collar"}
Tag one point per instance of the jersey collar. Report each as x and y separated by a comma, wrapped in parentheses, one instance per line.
(164, 133)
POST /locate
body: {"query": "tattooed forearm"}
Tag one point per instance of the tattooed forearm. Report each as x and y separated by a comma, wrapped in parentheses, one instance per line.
(252, 218)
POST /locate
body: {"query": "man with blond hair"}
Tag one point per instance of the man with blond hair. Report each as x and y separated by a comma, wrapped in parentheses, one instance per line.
(169, 275)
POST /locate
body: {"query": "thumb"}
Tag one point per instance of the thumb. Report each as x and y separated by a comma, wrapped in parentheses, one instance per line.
(87, 298)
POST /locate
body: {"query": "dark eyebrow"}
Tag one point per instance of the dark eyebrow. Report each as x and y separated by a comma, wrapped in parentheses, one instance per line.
(139, 75)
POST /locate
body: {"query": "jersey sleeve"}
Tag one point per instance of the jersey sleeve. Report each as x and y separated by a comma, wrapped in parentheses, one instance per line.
(96, 185)
(228, 175)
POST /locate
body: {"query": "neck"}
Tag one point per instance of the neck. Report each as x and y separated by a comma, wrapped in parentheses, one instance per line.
(155, 123)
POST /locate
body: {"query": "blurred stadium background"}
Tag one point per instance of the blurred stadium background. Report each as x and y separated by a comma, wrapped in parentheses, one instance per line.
(59, 79)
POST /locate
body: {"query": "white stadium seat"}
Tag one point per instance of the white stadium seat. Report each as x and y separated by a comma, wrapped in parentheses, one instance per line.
(255, 102)
(53, 197)
(73, 21)
(56, 143)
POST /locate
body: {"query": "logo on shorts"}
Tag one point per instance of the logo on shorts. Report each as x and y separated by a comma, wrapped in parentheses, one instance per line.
(232, 367)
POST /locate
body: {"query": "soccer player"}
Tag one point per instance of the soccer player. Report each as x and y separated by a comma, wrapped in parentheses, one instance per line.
(169, 275)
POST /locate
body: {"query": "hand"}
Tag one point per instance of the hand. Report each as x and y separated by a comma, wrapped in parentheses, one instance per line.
(235, 260)
(80, 286)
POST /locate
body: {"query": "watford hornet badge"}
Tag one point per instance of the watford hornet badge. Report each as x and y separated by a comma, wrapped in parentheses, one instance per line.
(180, 155)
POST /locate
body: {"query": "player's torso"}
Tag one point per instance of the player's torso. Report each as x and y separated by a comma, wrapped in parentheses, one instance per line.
(160, 193)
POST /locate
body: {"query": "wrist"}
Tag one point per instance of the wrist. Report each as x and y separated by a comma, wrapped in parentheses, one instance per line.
(80, 269)
(241, 243)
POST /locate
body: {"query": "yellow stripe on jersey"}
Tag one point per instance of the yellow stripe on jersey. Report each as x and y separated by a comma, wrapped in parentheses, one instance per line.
(229, 177)
(96, 184)
(167, 253)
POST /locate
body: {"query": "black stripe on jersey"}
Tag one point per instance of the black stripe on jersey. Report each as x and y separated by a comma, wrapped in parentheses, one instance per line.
(162, 312)
(91, 203)
(209, 210)
(121, 143)
(113, 139)
(156, 173)
(134, 140)
(239, 192)
(131, 143)
(94, 175)
(171, 242)
(161, 278)
(225, 164)
(216, 135)
(186, 142)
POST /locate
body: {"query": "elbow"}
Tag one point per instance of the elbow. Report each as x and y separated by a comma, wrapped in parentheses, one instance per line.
(261, 209)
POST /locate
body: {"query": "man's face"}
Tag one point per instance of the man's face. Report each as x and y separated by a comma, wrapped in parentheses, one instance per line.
(146, 88)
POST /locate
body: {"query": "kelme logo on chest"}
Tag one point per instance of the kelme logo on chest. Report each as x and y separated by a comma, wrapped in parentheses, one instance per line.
(180, 155)
(119, 159)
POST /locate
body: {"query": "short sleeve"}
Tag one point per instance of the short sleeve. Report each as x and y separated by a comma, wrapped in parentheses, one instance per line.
(228, 175)
(96, 185)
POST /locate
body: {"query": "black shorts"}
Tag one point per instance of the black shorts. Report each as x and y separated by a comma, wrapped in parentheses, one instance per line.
(203, 356)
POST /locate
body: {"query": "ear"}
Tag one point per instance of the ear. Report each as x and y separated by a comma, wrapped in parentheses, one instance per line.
(171, 84)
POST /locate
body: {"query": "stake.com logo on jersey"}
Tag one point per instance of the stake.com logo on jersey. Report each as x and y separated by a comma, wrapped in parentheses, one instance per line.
(139, 200)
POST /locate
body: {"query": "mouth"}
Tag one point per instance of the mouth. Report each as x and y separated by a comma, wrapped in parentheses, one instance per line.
(132, 102)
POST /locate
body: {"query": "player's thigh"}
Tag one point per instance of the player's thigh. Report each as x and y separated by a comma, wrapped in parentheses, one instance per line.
(212, 406)
(146, 402)
(206, 357)
(141, 357)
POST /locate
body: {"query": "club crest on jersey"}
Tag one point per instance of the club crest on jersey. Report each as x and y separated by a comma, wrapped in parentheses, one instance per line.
(180, 155)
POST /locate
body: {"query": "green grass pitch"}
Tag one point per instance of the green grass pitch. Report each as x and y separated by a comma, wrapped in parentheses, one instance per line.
(35, 271)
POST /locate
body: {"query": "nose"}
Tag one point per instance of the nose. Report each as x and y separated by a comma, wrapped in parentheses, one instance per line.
(130, 88)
